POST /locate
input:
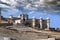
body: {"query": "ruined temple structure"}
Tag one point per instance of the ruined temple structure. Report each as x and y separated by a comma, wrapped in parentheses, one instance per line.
(23, 19)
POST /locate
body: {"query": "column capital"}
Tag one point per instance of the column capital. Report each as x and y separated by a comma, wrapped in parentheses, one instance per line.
(10, 16)
(48, 18)
(41, 18)
(33, 17)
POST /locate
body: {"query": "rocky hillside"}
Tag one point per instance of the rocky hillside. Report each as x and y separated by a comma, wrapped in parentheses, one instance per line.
(26, 33)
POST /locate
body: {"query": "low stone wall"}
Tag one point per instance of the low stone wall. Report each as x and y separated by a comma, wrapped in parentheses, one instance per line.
(47, 39)
(5, 38)
(5, 24)
(51, 38)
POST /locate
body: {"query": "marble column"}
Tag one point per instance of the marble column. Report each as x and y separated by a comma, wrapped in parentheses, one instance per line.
(33, 22)
(48, 23)
(41, 22)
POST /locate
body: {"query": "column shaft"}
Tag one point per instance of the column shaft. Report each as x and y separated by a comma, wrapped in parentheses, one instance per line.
(48, 24)
(33, 22)
(41, 23)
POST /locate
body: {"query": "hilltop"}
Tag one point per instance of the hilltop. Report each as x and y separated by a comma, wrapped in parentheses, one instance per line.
(27, 33)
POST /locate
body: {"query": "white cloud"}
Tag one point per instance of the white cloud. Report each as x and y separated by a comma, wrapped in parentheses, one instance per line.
(31, 4)
(4, 6)
(31, 12)
(6, 1)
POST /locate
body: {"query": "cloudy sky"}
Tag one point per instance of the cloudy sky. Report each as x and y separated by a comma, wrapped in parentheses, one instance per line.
(37, 8)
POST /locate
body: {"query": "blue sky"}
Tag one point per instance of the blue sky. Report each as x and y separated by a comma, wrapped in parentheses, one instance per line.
(54, 18)
(37, 8)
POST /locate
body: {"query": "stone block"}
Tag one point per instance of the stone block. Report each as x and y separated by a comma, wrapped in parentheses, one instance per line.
(51, 38)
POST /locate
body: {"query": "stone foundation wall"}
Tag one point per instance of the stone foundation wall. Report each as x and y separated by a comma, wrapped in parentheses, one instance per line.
(5, 24)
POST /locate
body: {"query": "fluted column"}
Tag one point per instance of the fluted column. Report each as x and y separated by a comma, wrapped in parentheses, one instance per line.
(33, 22)
(48, 23)
(41, 22)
